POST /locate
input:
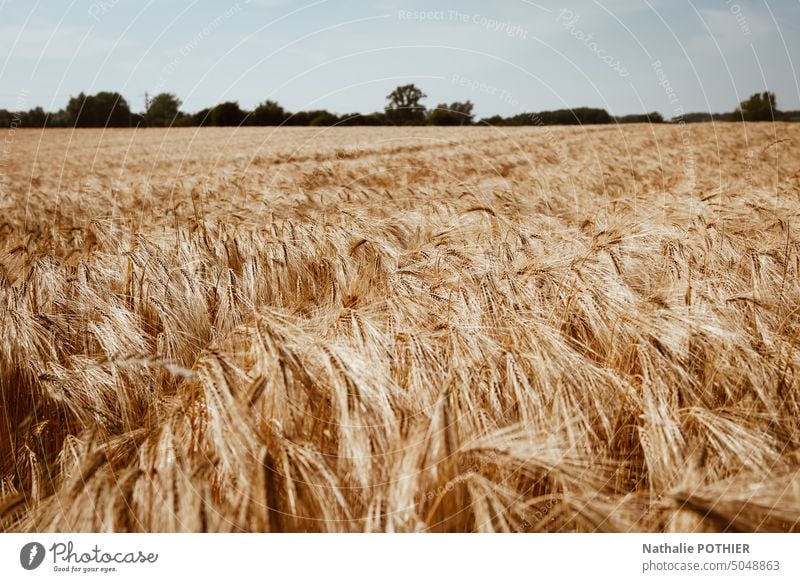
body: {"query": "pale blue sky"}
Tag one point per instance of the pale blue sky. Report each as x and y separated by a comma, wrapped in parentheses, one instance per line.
(505, 56)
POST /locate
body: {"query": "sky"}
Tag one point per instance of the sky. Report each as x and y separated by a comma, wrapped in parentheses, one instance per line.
(507, 57)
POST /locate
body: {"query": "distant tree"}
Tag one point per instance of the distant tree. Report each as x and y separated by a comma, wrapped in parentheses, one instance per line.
(36, 117)
(702, 117)
(112, 110)
(201, 118)
(441, 115)
(654, 117)
(75, 111)
(324, 118)
(184, 120)
(404, 106)
(494, 120)
(163, 110)
(138, 120)
(5, 118)
(351, 119)
(305, 118)
(228, 113)
(378, 118)
(105, 109)
(455, 114)
(299, 118)
(578, 116)
(268, 113)
(759, 107)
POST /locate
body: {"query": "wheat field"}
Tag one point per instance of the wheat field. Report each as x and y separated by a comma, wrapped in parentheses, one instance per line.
(401, 329)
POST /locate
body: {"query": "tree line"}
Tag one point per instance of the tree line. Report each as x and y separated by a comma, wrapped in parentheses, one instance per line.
(404, 107)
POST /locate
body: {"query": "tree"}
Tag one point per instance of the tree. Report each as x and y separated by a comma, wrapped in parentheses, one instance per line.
(324, 118)
(201, 118)
(228, 113)
(464, 111)
(58, 119)
(654, 117)
(377, 118)
(112, 109)
(760, 107)
(163, 110)
(457, 113)
(316, 116)
(494, 120)
(75, 109)
(105, 109)
(358, 119)
(34, 118)
(268, 113)
(577, 116)
(404, 107)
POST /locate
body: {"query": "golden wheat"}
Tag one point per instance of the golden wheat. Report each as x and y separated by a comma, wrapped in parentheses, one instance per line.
(541, 329)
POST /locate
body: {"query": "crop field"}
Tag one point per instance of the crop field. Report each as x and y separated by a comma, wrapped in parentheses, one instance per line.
(401, 329)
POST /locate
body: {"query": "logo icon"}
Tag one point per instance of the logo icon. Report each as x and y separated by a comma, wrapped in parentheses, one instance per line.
(31, 555)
